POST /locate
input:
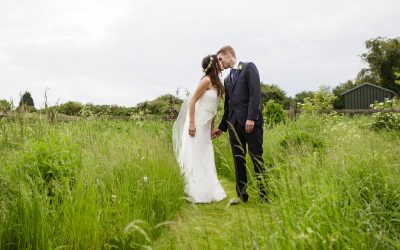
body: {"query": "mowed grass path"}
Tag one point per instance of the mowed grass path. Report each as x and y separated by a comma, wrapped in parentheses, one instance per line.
(215, 225)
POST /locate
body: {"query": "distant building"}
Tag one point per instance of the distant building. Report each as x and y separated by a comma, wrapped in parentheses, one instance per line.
(361, 97)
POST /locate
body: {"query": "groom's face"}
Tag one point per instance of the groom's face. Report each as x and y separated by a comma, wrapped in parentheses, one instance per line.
(224, 59)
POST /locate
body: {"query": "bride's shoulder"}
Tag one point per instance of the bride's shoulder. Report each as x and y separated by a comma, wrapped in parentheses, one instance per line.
(206, 79)
(205, 82)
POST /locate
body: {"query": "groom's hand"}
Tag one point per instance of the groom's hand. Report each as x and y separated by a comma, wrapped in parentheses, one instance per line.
(216, 133)
(249, 126)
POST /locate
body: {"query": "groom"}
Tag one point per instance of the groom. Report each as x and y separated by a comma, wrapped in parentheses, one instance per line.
(242, 115)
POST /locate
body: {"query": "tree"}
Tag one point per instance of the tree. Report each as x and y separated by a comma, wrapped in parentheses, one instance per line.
(299, 97)
(365, 76)
(273, 92)
(383, 59)
(5, 105)
(26, 100)
(339, 90)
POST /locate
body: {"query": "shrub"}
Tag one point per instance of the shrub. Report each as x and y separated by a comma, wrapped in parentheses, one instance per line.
(321, 102)
(5, 105)
(70, 108)
(166, 106)
(86, 111)
(397, 76)
(273, 113)
(89, 109)
(386, 120)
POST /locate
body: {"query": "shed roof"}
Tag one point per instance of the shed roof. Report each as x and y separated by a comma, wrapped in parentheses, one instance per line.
(373, 85)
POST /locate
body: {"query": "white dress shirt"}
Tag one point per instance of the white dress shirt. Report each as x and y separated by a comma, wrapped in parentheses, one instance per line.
(236, 65)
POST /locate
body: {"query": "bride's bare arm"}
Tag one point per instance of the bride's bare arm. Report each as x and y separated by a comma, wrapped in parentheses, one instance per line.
(204, 84)
(213, 136)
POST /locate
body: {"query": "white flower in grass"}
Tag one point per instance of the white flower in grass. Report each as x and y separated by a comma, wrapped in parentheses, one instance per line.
(145, 178)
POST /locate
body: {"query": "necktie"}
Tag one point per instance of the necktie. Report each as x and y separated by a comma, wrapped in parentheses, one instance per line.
(233, 74)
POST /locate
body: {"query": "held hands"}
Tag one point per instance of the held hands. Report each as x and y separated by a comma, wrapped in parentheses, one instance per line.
(249, 126)
(216, 133)
(192, 129)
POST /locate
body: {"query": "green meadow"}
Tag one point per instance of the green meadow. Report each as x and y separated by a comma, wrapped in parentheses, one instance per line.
(96, 183)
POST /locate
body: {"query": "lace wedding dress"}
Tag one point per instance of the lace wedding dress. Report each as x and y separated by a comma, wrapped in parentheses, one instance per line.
(195, 155)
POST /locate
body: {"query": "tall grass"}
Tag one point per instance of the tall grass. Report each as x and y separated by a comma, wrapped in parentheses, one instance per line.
(87, 184)
(333, 184)
(99, 184)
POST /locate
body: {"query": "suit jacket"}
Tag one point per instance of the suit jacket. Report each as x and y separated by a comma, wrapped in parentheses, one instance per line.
(242, 97)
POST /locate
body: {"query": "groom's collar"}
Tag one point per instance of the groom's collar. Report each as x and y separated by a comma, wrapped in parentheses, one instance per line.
(236, 64)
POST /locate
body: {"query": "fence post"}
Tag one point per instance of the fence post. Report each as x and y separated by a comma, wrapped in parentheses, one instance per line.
(292, 109)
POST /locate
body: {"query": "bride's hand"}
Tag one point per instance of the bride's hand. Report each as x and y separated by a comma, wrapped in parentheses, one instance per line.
(216, 133)
(192, 129)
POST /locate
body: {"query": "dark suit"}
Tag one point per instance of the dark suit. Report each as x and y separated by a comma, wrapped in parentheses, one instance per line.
(242, 103)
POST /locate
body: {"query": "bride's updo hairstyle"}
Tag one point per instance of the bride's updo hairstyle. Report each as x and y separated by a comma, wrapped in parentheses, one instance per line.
(211, 68)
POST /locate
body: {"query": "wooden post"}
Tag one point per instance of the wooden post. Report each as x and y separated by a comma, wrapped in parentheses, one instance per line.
(292, 109)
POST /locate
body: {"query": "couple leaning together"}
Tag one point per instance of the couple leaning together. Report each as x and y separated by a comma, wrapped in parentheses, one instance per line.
(194, 130)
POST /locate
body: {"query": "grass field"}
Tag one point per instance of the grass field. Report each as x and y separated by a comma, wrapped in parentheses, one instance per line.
(102, 184)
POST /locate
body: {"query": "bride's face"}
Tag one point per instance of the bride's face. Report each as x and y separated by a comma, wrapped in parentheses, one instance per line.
(220, 65)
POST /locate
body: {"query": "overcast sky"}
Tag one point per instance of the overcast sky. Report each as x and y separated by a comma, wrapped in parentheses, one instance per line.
(124, 52)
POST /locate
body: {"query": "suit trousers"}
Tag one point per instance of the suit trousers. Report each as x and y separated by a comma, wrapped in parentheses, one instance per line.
(240, 140)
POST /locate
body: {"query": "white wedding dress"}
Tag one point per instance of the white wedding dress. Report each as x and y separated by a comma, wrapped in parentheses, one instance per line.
(195, 155)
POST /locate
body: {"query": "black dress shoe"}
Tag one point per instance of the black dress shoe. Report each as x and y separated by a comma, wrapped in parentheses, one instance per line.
(234, 201)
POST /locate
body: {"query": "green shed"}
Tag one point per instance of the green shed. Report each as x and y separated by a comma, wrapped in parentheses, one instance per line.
(361, 97)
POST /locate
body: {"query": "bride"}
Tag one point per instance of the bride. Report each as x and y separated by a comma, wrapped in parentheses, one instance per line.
(192, 132)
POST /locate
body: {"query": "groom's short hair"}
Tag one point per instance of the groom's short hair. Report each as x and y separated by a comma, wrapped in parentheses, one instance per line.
(227, 49)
